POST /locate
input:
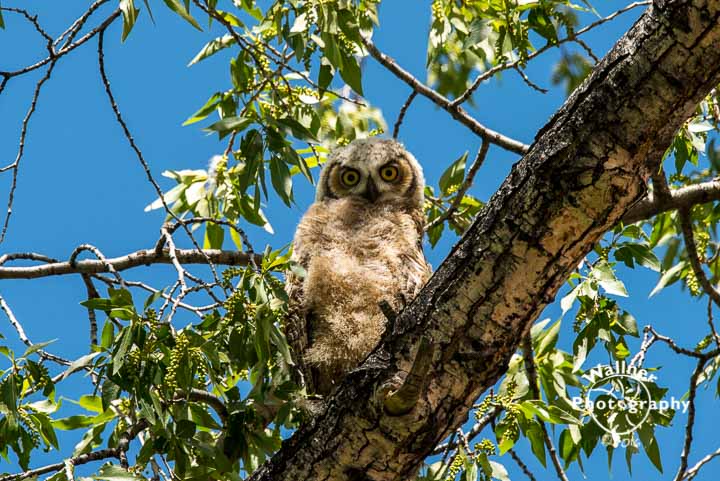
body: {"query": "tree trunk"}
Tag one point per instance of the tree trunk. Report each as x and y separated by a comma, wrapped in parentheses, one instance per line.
(587, 166)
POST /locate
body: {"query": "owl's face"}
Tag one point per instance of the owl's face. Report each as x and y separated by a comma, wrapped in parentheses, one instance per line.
(376, 170)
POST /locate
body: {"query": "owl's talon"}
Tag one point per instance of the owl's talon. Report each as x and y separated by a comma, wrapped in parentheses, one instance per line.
(403, 399)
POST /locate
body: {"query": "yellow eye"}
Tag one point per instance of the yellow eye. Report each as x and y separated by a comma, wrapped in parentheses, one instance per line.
(350, 177)
(389, 173)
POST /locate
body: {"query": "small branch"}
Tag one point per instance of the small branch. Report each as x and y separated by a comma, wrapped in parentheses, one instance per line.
(23, 337)
(691, 248)
(15, 166)
(139, 154)
(33, 19)
(529, 82)
(711, 323)
(535, 390)
(457, 112)
(99, 455)
(684, 197)
(73, 29)
(467, 183)
(92, 294)
(139, 258)
(210, 399)
(692, 472)
(521, 465)
(587, 49)
(681, 350)
(516, 63)
(403, 111)
(65, 50)
(690, 421)
(476, 429)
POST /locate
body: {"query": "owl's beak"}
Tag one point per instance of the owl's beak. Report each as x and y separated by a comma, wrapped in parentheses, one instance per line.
(371, 191)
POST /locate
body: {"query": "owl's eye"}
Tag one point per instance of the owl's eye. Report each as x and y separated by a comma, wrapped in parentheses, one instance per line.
(350, 177)
(389, 173)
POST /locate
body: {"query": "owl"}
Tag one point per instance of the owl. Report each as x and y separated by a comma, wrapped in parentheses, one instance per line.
(360, 243)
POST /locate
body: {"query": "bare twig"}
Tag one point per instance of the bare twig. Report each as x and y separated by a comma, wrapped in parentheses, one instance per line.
(692, 472)
(15, 166)
(521, 465)
(457, 112)
(92, 294)
(23, 337)
(681, 350)
(33, 19)
(139, 154)
(403, 111)
(65, 50)
(711, 323)
(515, 63)
(691, 419)
(529, 82)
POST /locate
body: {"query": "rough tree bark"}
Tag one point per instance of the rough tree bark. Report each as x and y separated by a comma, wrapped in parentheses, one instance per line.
(586, 168)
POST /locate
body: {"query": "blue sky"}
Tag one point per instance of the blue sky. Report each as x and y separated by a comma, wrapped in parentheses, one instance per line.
(80, 182)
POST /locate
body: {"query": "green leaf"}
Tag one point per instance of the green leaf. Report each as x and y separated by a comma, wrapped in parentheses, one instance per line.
(129, 13)
(631, 253)
(567, 301)
(229, 124)
(606, 278)
(211, 48)
(647, 438)
(2, 22)
(351, 74)
(79, 363)
(110, 472)
(537, 441)
(73, 422)
(205, 110)
(498, 472)
(36, 347)
(107, 335)
(548, 339)
(453, 175)
(628, 323)
(281, 179)
(214, 236)
(181, 10)
(91, 403)
(669, 277)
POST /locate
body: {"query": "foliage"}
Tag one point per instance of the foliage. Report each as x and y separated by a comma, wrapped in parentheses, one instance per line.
(213, 399)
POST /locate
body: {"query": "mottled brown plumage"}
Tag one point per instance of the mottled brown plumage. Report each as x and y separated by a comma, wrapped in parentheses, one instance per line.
(360, 243)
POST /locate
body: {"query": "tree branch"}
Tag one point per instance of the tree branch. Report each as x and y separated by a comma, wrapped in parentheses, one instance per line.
(457, 112)
(135, 259)
(588, 165)
(684, 197)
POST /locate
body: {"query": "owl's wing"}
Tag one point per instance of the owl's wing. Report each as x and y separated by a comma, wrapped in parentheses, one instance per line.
(297, 327)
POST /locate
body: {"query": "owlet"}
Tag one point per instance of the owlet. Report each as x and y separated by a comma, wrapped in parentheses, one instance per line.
(360, 243)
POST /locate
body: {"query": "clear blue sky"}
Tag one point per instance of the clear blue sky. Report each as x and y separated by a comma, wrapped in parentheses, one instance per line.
(80, 182)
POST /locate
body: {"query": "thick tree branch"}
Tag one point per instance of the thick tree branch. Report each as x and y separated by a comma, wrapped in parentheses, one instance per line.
(139, 258)
(588, 165)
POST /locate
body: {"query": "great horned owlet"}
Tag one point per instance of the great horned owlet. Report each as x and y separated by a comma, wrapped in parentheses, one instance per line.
(360, 243)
